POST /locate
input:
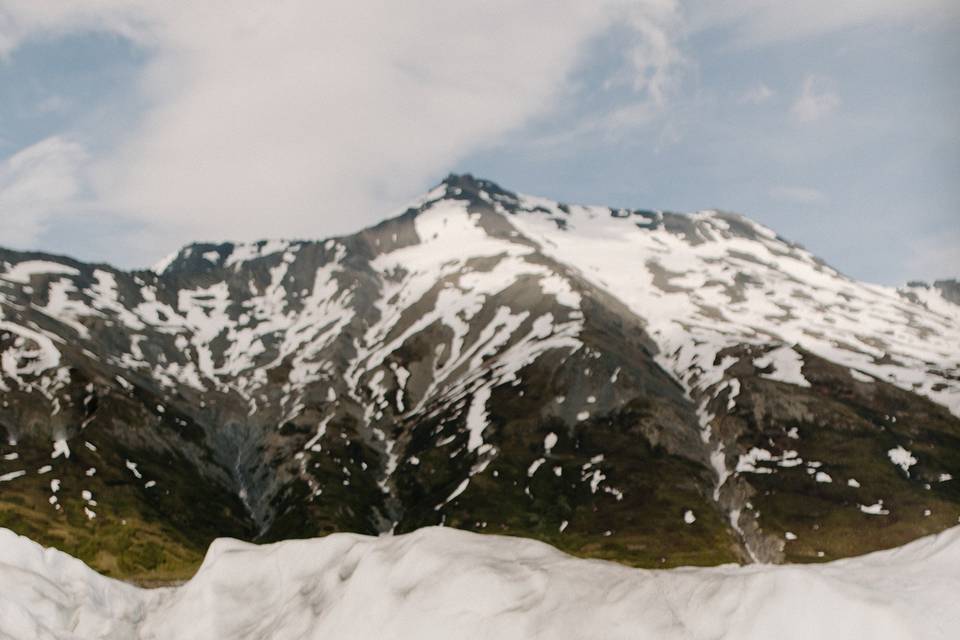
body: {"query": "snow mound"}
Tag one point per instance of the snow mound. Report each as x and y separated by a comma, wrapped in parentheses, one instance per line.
(442, 583)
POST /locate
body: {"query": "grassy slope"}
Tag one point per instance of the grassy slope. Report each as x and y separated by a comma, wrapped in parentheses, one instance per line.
(849, 427)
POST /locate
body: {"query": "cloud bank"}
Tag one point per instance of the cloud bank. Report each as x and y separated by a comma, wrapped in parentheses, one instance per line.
(303, 119)
(37, 184)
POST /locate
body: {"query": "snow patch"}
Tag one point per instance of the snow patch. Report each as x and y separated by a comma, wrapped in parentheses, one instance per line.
(549, 442)
(902, 458)
(22, 271)
(787, 366)
(477, 418)
(875, 509)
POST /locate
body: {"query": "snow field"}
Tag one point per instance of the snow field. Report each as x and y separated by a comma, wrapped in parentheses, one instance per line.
(439, 583)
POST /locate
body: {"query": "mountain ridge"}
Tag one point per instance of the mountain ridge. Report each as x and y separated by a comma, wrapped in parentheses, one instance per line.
(638, 385)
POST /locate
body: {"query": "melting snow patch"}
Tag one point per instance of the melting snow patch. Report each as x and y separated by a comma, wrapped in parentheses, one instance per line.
(747, 463)
(787, 366)
(21, 272)
(477, 417)
(60, 448)
(549, 442)
(595, 479)
(874, 509)
(734, 385)
(559, 287)
(536, 464)
(40, 356)
(313, 444)
(902, 458)
(718, 460)
(456, 492)
(133, 469)
(791, 458)
(13, 475)
(616, 493)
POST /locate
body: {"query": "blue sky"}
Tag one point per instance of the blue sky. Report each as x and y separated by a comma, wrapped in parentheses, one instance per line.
(126, 131)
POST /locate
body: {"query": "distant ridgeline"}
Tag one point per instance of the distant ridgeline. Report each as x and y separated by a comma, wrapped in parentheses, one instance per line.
(650, 387)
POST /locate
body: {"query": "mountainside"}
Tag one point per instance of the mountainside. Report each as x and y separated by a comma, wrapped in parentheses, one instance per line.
(650, 387)
(438, 583)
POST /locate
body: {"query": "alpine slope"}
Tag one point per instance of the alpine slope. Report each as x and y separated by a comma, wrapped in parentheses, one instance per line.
(655, 388)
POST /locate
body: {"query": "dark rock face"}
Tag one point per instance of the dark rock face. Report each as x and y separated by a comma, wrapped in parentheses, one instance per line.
(650, 387)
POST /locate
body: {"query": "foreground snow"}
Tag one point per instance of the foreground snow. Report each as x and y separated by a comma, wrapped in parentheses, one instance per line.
(442, 583)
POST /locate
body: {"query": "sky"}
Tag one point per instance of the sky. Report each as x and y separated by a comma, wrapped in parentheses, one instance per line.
(128, 129)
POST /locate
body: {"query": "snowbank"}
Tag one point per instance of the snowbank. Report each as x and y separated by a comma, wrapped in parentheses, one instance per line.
(442, 583)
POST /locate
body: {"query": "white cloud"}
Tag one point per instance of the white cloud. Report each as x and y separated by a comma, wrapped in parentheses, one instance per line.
(655, 56)
(757, 94)
(815, 102)
(23, 19)
(37, 184)
(799, 195)
(309, 118)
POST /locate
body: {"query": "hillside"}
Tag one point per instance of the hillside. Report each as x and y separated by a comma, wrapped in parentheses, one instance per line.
(656, 388)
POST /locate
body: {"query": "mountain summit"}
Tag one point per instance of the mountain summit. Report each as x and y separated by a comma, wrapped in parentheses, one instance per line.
(645, 386)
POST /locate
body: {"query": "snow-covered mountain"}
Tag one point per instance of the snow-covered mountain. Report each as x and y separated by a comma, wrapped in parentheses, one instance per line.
(652, 387)
(438, 583)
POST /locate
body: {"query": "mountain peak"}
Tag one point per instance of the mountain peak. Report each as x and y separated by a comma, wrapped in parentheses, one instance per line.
(482, 194)
(469, 184)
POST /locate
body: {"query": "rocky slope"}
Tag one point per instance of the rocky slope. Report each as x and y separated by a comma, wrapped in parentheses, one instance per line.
(651, 387)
